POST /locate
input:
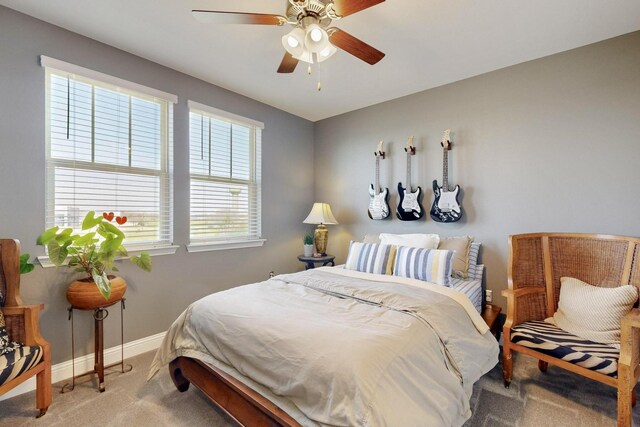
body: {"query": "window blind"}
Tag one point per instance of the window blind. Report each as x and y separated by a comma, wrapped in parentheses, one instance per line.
(109, 150)
(225, 169)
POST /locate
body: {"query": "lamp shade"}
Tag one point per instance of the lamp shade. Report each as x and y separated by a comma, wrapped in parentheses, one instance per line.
(316, 38)
(327, 52)
(293, 42)
(320, 214)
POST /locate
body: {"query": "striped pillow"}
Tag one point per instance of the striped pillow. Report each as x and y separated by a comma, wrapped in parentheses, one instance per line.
(429, 265)
(370, 258)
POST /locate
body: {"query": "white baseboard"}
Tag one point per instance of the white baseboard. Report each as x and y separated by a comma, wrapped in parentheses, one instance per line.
(64, 370)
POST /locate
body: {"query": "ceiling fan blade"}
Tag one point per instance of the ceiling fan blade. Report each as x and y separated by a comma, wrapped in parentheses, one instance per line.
(355, 47)
(219, 17)
(288, 63)
(349, 7)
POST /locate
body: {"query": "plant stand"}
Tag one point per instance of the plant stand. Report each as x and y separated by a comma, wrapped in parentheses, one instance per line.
(99, 314)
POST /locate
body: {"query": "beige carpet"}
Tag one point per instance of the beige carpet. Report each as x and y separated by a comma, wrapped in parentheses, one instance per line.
(556, 398)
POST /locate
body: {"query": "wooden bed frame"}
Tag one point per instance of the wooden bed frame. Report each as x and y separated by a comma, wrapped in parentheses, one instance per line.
(245, 405)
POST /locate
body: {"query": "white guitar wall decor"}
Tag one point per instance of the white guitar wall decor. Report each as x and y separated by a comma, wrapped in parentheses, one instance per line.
(378, 205)
(409, 207)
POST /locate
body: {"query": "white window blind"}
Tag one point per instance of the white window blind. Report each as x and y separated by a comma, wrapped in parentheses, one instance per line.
(109, 150)
(225, 167)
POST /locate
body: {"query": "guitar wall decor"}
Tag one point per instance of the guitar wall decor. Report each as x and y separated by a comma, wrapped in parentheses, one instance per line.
(409, 207)
(446, 207)
(378, 205)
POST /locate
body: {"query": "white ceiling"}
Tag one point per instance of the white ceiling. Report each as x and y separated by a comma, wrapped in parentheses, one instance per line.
(427, 43)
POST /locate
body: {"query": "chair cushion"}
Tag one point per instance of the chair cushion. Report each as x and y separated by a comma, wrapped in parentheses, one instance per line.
(553, 341)
(16, 362)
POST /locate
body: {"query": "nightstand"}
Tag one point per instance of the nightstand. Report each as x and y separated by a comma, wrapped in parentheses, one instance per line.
(311, 261)
(490, 315)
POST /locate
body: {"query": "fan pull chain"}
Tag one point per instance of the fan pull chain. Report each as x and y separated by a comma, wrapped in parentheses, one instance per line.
(315, 57)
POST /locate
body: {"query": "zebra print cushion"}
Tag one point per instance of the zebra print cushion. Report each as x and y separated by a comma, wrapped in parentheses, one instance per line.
(16, 362)
(553, 341)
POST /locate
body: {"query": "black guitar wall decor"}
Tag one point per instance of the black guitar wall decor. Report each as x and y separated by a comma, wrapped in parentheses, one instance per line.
(409, 207)
(446, 207)
(378, 205)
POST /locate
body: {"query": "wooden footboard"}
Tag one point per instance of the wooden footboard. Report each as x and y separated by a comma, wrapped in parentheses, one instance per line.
(240, 402)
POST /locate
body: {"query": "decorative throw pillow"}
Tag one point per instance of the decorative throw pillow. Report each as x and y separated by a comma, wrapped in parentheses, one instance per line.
(370, 258)
(592, 312)
(6, 345)
(429, 265)
(428, 241)
(461, 246)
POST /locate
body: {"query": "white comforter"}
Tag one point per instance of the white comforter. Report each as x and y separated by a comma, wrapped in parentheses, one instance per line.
(340, 348)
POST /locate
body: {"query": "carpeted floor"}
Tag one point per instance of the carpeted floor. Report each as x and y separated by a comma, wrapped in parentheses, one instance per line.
(556, 398)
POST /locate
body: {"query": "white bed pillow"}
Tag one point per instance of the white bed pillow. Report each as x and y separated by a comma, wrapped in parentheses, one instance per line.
(429, 265)
(593, 312)
(371, 238)
(427, 241)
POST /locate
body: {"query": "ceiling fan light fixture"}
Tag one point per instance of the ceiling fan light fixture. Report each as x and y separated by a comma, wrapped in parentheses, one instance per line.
(316, 38)
(294, 41)
(305, 56)
(316, 34)
(327, 52)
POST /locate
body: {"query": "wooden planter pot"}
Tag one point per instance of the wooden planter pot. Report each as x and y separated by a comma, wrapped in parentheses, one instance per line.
(84, 293)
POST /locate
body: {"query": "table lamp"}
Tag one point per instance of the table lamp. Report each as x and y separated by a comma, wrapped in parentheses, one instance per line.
(320, 214)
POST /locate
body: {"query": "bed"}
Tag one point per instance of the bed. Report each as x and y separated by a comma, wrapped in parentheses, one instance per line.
(333, 346)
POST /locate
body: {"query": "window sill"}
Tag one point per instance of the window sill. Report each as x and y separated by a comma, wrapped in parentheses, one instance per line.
(219, 246)
(152, 250)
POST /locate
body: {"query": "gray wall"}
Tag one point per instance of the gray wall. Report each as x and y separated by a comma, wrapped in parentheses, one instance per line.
(548, 145)
(154, 299)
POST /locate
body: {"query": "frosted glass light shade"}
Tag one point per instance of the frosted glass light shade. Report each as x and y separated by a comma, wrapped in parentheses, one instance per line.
(320, 214)
(326, 53)
(316, 38)
(293, 42)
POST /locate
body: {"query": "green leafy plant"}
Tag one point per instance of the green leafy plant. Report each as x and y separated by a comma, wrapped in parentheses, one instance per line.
(93, 252)
(308, 239)
(25, 265)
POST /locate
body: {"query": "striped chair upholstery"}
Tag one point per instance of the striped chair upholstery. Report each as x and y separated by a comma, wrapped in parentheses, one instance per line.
(18, 361)
(553, 341)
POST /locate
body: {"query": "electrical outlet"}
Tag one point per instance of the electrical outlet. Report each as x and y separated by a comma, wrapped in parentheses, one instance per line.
(489, 295)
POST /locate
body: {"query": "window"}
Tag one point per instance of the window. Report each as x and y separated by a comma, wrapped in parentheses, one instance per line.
(108, 150)
(224, 158)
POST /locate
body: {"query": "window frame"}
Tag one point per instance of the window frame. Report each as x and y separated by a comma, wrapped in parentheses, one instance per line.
(164, 173)
(255, 180)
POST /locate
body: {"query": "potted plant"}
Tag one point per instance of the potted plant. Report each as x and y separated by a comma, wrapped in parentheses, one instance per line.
(308, 245)
(94, 253)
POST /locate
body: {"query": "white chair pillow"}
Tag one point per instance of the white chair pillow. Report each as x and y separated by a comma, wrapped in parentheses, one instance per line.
(593, 312)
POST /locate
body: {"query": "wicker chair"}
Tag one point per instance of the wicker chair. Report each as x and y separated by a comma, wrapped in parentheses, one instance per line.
(536, 264)
(22, 326)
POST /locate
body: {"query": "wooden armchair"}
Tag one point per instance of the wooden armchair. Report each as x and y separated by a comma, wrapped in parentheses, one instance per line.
(536, 264)
(22, 326)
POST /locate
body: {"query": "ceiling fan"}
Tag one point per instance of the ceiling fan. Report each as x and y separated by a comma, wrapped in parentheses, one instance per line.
(312, 39)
